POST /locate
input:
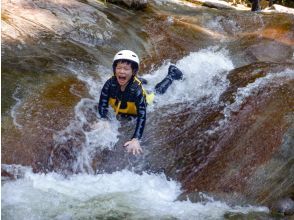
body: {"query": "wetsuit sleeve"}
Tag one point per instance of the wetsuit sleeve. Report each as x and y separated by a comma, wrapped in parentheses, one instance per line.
(104, 98)
(141, 114)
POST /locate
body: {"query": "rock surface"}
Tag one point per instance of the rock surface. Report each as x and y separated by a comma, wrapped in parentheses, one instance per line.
(239, 148)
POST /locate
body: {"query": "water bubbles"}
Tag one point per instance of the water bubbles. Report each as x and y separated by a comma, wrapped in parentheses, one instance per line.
(104, 134)
(15, 108)
(170, 20)
(271, 79)
(204, 76)
(83, 196)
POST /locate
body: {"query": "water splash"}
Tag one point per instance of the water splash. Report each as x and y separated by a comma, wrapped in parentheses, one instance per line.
(204, 72)
(87, 133)
(15, 108)
(86, 139)
(93, 83)
(271, 80)
(119, 195)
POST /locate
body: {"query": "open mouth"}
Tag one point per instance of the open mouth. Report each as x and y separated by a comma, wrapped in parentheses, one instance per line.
(122, 78)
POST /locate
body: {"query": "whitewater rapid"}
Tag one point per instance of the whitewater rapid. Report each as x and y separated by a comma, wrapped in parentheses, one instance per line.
(120, 195)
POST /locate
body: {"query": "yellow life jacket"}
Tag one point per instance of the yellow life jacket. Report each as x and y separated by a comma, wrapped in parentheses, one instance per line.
(131, 108)
(148, 96)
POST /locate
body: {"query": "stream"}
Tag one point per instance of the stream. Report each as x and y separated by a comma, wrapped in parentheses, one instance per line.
(217, 145)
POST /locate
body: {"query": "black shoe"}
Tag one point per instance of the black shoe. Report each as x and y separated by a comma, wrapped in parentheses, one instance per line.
(175, 73)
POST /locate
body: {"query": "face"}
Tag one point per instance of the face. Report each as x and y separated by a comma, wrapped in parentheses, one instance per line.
(123, 73)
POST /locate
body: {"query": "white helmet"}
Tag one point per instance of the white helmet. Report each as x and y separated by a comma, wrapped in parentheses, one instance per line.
(127, 55)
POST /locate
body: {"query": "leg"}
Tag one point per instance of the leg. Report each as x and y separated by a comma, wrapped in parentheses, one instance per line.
(255, 5)
(173, 74)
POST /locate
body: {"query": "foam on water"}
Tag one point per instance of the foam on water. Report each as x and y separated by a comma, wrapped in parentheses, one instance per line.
(94, 84)
(161, 2)
(119, 195)
(272, 79)
(103, 135)
(204, 72)
(86, 130)
(14, 109)
(176, 2)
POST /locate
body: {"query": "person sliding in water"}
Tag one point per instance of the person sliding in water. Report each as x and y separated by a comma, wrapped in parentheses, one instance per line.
(125, 94)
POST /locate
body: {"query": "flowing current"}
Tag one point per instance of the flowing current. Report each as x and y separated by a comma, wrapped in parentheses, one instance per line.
(122, 194)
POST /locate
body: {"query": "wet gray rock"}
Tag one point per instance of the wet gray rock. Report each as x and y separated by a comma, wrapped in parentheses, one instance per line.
(271, 51)
(283, 206)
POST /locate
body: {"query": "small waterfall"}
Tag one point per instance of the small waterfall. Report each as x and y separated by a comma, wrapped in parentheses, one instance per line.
(121, 195)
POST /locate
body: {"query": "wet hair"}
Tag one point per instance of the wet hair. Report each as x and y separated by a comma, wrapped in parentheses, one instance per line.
(134, 65)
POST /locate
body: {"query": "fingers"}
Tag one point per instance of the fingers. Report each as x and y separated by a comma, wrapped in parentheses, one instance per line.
(134, 150)
(127, 143)
(141, 150)
(137, 150)
(133, 147)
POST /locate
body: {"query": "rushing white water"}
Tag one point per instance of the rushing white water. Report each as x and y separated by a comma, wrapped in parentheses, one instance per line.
(120, 195)
(204, 72)
(101, 134)
(272, 79)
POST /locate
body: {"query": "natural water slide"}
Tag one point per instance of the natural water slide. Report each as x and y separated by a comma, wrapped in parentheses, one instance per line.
(217, 145)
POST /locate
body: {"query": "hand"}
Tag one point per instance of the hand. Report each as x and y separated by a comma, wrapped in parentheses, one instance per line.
(133, 146)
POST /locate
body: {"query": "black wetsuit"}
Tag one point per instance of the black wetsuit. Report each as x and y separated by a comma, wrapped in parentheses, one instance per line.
(131, 102)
